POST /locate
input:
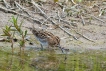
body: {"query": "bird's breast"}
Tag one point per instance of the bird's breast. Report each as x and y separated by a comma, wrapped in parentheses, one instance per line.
(44, 41)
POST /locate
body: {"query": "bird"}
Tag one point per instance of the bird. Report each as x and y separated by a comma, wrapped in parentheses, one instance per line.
(46, 38)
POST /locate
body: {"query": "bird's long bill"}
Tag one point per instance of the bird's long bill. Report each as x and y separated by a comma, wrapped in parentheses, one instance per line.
(61, 48)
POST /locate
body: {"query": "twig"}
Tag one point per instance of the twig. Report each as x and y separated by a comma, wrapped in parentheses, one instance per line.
(36, 5)
(60, 19)
(101, 11)
(73, 2)
(83, 20)
(6, 4)
(45, 20)
(24, 9)
(64, 30)
(97, 18)
(43, 13)
(14, 12)
(58, 16)
(92, 15)
(4, 40)
(84, 36)
(50, 19)
(67, 32)
(89, 14)
(66, 21)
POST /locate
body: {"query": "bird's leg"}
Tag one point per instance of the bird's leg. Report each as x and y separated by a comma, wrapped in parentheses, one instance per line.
(61, 48)
(63, 52)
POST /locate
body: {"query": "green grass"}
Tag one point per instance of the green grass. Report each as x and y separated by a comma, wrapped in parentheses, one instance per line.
(86, 61)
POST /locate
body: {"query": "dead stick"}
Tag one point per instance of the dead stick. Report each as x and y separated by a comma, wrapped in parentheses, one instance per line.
(97, 18)
(84, 36)
(36, 5)
(16, 13)
(24, 9)
(6, 4)
(83, 20)
(67, 32)
(50, 19)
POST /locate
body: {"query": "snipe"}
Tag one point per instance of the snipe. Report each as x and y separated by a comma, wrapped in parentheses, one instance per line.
(46, 38)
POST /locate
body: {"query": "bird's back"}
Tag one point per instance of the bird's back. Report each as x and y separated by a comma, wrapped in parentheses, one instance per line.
(46, 37)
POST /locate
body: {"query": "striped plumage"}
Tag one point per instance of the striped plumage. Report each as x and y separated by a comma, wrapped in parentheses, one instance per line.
(46, 38)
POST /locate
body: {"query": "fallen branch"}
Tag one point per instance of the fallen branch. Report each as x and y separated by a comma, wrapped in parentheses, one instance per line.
(67, 32)
(50, 19)
(43, 13)
(83, 20)
(36, 5)
(65, 21)
(16, 13)
(60, 19)
(6, 4)
(45, 20)
(24, 9)
(84, 36)
(58, 16)
(97, 18)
